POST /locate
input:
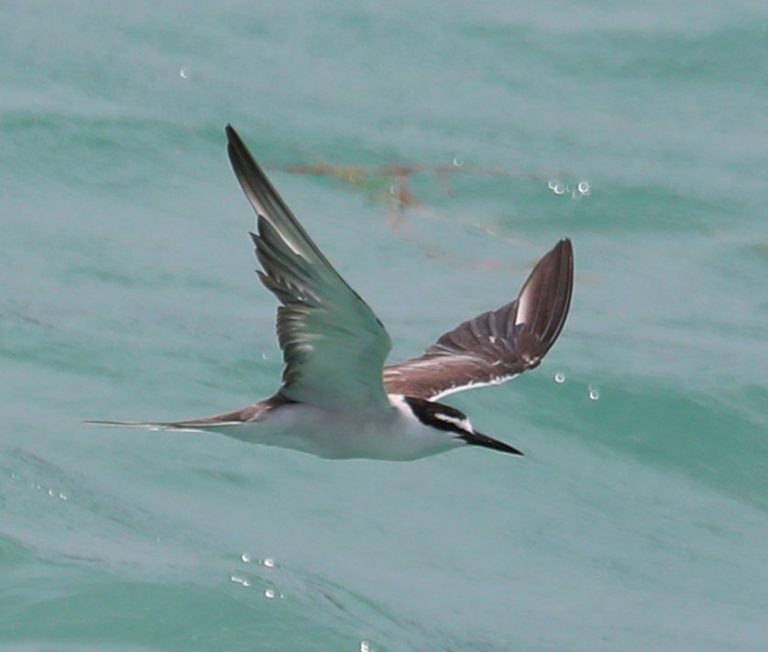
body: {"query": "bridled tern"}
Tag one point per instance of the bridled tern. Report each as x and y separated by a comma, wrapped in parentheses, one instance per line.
(337, 399)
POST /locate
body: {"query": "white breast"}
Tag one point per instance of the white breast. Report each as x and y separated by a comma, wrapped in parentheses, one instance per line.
(395, 435)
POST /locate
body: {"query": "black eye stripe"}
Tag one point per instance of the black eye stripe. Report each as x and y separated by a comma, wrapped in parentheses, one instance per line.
(429, 413)
(444, 425)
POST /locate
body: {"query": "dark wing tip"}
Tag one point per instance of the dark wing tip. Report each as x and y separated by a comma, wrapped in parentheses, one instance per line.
(544, 301)
(239, 156)
(233, 139)
(496, 345)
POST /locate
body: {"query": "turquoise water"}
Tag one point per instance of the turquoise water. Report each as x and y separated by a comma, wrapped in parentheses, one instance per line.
(637, 520)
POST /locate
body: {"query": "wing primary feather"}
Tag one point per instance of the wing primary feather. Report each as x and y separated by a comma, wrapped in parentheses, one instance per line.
(333, 344)
(496, 345)
(266, 200)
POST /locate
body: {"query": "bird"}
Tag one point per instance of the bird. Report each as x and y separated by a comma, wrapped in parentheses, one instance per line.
(337, 399)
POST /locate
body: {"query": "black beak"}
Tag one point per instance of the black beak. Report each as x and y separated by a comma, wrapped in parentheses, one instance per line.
(476, 439)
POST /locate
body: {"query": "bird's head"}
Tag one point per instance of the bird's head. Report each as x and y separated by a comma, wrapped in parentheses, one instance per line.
(454, 422)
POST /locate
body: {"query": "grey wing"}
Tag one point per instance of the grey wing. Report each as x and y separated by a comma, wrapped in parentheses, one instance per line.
(334, 346)
(497, 345)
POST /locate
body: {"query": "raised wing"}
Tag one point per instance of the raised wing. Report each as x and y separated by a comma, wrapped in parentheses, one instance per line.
(333, 344)
(496, 345)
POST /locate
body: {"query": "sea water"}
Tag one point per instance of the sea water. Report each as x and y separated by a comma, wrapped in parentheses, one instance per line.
(434, 151)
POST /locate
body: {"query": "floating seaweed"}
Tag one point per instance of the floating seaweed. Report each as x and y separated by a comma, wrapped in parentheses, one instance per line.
(392, 184)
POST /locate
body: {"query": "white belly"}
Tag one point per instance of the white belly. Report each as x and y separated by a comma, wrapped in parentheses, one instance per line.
(395, 435)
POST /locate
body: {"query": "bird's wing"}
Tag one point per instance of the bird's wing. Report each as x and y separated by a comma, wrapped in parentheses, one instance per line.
(333, 344)
(496, 345)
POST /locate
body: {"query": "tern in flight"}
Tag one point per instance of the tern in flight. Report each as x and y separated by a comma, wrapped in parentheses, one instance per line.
(337, 399)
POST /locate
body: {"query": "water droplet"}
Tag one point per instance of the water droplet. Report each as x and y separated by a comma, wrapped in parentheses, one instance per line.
(558, 189)
(393, 190)
(457, 162)
(365, 646)
(551, 185)
(264, 356)
(63, 496)
(184, 73)
(237, 579)
(269, 594)
(50, 492)
(584, 188)
(594, 393)
(269, 562)
(560, 377)
(245, 558)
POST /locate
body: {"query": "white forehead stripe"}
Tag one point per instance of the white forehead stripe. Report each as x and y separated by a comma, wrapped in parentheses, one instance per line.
(460, 423)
